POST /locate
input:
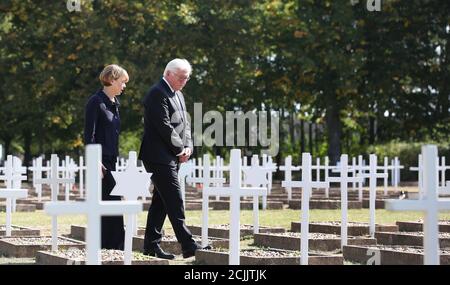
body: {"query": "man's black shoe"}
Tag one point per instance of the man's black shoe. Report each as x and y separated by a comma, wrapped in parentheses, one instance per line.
(158, 252)
(190, 251)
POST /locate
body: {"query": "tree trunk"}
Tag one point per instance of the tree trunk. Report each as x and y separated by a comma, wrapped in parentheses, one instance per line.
(310, 139)
(292, 128)
(27, 148)
(7, 150)
(316, 139)
(334, 129)
(372, 130)
(302, 136)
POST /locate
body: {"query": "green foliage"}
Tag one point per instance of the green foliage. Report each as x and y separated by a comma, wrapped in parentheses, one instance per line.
(327, 62)
(129, 141)
(408, 154)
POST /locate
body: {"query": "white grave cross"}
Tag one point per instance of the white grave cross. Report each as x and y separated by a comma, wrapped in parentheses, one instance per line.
(235, 191)
(94, 208)
(306, 184)
(257, 176)
(372, 175)
(430, 204)
(344, 179)
(288, 168)
(10, 194)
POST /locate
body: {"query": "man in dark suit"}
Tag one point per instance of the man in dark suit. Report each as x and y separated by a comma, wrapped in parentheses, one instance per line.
(165, 145)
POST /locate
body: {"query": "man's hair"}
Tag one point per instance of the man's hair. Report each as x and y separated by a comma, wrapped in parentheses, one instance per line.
(112, 72)
(178, 64)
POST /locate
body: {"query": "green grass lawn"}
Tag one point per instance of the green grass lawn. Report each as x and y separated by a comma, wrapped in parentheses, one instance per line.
(279, 218)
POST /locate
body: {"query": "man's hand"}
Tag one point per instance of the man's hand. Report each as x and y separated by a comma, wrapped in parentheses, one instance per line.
(185, 154)
(102, 170)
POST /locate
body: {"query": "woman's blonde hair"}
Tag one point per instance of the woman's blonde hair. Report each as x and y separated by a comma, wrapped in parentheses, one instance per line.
(112, 72)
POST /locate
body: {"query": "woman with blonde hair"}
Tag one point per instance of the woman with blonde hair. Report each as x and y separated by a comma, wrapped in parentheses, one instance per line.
(102, 126)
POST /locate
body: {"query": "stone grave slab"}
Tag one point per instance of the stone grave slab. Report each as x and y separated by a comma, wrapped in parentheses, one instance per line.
(17, 231)
(444, 226)
(265, 257)
(74, 256)
(34, 201)
(78, 232)
(193, 206)
(62, 197)
(20, 208)
(317, 241)
(29, 246)
(222, 231)
(354, 228)
(390, 255)
(295, 204)
(170, 243)
(379, 204)
(409, 239)
(225, 205)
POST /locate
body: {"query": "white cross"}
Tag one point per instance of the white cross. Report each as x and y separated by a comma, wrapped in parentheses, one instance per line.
(344, 179)
(235, 191)
(443, 168)
(10, 194)
(306, 184)
(219, 168)
(372, 175)
(288, 168)
(419, 170)
(13, 177)
(81, 169)
(197, 176)
(37, 169)
(69, 168)
(326, 167)
(53, 180)
(270, 167)
(257, 176)
(206, 180)
(94, 208)
(396, 172)
(430, 204)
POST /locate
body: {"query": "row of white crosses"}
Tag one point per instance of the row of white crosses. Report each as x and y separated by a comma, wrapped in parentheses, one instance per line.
(54, 181)
(94, 209)
(13, 175)
(429, 203)
(442, 168)
(68, 170)
(37, 169)
(235, 191)
(12, 179)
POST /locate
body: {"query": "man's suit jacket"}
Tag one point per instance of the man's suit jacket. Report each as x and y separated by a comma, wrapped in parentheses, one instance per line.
(166, 129)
